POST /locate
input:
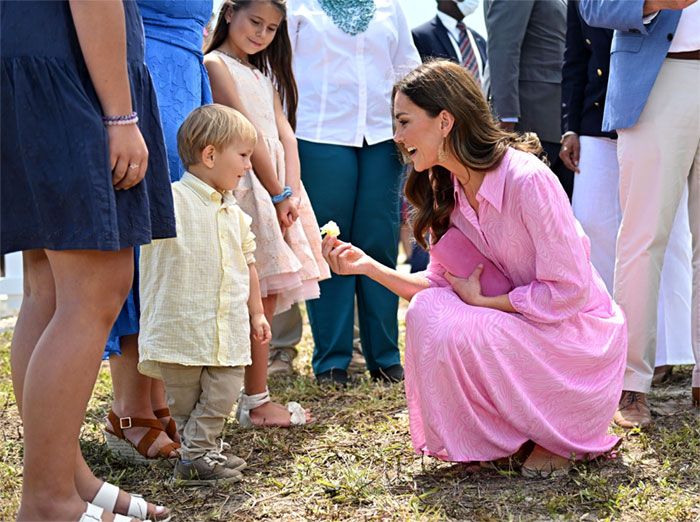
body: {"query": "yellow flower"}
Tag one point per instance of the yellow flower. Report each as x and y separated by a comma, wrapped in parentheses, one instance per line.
(331, 228)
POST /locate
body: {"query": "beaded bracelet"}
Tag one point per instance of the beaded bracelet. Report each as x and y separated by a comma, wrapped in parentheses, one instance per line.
(126, 119)
(286, 193)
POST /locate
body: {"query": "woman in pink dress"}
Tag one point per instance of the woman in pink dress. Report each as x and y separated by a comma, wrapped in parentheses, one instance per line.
(511, 336)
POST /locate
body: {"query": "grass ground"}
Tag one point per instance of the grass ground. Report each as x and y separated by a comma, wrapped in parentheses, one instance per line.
(356, 463)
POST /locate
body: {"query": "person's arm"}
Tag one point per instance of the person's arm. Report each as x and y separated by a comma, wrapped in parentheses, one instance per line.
(405, 56)
(347, 259)
(563, 270)
(626, 15)
(101, 32)
(506, 24)
(292, 167)
(573, 86)
(259, 327)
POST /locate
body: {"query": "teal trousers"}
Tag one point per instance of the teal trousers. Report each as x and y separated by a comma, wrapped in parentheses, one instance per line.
(358, 188)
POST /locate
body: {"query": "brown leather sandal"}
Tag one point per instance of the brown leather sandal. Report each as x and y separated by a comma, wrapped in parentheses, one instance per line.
(136, 454)
(171, 428)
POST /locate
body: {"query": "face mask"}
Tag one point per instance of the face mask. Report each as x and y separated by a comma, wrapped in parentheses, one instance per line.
(467, 6)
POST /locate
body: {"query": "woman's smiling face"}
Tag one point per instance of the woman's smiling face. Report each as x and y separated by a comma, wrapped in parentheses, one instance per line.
(418, 134)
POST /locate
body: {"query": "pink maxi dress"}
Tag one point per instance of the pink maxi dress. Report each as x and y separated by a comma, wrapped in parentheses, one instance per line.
(481, 382)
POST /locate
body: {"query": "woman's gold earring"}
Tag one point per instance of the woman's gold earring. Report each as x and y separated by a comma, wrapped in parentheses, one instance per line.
(442, 153)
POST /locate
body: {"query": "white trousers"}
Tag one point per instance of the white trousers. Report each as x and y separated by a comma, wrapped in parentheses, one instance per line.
(657, 157)
(596, 204)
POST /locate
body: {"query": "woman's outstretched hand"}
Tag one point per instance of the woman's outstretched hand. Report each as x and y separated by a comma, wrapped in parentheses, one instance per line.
(345, 258)
(469, 289)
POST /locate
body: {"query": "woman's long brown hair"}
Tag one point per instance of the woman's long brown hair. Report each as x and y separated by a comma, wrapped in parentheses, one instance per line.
(275, 60)
(475, 140)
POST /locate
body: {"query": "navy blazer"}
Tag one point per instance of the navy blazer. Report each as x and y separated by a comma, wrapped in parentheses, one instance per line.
(584, 76)
(433, 41)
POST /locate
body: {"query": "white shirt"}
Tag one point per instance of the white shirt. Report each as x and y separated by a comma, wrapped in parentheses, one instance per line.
(451, 26)
(345, 81)
(687, 36)
(194, 288)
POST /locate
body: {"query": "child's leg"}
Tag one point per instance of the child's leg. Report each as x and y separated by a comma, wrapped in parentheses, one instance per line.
(61, 368)
(183, 385)
(220, 386)
(132, 394)
(270, 413)
(200, 400)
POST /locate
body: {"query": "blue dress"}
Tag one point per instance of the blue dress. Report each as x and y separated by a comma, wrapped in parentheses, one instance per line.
(56, 187)
(174, 34)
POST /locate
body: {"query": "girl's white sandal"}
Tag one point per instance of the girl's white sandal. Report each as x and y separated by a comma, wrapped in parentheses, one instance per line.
(250, 402)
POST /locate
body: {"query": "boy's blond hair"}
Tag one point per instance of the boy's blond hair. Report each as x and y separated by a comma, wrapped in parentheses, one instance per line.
(213, 124)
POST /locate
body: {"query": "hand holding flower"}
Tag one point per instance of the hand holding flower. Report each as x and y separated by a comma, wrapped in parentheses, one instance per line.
(345, 258)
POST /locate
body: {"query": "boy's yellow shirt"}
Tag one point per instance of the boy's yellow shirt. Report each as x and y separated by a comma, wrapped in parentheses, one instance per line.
(194, 288)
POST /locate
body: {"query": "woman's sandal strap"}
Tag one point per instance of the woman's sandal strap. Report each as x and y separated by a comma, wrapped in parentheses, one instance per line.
(171, 427)
(162, 412)
(119, 424)
(149, 438)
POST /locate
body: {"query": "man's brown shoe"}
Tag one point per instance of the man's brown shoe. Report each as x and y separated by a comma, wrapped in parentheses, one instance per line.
(696, 397)
(633, 410)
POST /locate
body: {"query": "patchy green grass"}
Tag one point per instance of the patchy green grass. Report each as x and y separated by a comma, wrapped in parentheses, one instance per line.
(356, 463)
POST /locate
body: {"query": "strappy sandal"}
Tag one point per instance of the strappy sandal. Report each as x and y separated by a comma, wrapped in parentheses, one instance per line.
(136, 454)
(108, 494)
(250, 402)
(171, 428)
(93, 513)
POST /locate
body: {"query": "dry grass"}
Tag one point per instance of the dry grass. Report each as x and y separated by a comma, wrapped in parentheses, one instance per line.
(356, 463)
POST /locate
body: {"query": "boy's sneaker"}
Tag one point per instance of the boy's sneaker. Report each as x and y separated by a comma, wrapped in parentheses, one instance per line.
(208, 470)
(232, 461)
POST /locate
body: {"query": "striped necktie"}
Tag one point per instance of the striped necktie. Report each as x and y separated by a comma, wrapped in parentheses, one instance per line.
(465, 47)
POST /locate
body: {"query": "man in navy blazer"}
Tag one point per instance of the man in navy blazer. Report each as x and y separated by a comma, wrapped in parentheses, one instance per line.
(433, 39)
(653, 101)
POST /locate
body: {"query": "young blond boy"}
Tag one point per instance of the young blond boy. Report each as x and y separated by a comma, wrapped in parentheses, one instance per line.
(200, 295)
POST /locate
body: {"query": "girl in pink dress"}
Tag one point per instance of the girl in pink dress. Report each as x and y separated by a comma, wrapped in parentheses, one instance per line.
(249, 63)
(511, 336)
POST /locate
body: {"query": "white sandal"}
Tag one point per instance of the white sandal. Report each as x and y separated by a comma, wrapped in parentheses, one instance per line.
(106, 498)
(250, 402)
(93, 513)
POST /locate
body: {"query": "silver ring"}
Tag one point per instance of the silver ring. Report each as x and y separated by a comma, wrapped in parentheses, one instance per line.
(133, 166)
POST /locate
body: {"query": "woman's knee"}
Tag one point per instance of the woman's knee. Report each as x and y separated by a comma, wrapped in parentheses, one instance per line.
(98, 282)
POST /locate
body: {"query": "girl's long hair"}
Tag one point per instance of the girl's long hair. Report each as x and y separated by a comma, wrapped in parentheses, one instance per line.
(475, 140)
(275, 61)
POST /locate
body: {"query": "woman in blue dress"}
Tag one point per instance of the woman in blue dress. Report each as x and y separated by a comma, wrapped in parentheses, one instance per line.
(174, 34)
(84, 181)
